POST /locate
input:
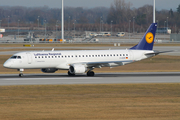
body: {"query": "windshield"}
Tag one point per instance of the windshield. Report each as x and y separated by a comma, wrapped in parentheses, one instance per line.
(15, 57)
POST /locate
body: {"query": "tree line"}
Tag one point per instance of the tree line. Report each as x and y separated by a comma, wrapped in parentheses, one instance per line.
(121, 16)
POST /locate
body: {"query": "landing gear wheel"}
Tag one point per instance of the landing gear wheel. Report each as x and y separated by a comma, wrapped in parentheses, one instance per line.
(70, 74)
(20, 75)
(21, 72)
(90, 73)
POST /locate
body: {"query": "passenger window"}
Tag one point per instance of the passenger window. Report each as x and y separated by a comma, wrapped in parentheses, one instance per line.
(89, 55)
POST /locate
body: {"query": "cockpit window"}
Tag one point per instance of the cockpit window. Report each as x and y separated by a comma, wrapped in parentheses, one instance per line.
(16, 57)
(13, 57)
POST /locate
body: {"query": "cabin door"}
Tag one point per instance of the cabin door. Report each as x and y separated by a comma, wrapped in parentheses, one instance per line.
(29, 57)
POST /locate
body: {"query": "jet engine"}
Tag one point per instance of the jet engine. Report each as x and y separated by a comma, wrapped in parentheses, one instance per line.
(77, 69)
(49, 70)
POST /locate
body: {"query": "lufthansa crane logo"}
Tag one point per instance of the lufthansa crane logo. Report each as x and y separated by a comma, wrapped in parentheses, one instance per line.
(149, 37)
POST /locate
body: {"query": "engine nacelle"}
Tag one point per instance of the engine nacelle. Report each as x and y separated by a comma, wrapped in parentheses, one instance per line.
(49, 70)
(77, 69)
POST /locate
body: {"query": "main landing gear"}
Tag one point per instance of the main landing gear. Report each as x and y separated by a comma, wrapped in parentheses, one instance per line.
(21, 72)
(90, 73)
(70, 74)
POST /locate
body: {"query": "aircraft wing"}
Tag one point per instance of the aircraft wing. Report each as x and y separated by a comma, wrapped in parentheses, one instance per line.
(104, 64)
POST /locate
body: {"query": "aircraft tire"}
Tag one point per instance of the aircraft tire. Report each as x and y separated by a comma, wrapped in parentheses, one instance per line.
(70, 74)
(90, 73)
(20, 75)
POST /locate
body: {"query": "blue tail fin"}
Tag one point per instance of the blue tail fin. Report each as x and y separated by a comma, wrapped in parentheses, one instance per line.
(147, 41)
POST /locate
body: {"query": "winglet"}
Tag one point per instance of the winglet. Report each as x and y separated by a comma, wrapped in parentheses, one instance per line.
(147, 41)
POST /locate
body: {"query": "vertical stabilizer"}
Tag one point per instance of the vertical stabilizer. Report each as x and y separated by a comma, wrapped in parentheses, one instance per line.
(147, 41)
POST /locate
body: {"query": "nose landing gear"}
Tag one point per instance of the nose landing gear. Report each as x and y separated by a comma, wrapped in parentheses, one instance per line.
(21, 72)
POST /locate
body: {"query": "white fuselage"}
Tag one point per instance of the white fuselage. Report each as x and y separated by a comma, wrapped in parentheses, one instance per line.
(63, 59)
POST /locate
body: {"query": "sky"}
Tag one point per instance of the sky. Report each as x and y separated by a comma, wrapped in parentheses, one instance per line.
(160, 4)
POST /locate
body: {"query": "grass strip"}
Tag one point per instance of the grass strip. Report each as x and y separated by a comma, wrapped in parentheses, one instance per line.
(87, 102)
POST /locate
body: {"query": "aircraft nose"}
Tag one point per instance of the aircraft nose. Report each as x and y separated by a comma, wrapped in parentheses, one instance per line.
(7, 64)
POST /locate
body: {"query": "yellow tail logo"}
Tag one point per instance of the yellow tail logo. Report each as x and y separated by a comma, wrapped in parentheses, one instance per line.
(149, 37)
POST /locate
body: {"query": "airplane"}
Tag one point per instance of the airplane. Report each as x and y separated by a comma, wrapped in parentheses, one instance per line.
(83, 61)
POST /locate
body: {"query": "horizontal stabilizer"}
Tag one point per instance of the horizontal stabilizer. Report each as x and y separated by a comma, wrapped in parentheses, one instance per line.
(158, 52)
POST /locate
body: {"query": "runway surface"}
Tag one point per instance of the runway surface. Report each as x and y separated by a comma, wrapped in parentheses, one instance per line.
(99, 78)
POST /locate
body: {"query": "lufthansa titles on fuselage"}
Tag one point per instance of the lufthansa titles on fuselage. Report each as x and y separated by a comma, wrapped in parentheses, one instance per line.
(46, 54)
